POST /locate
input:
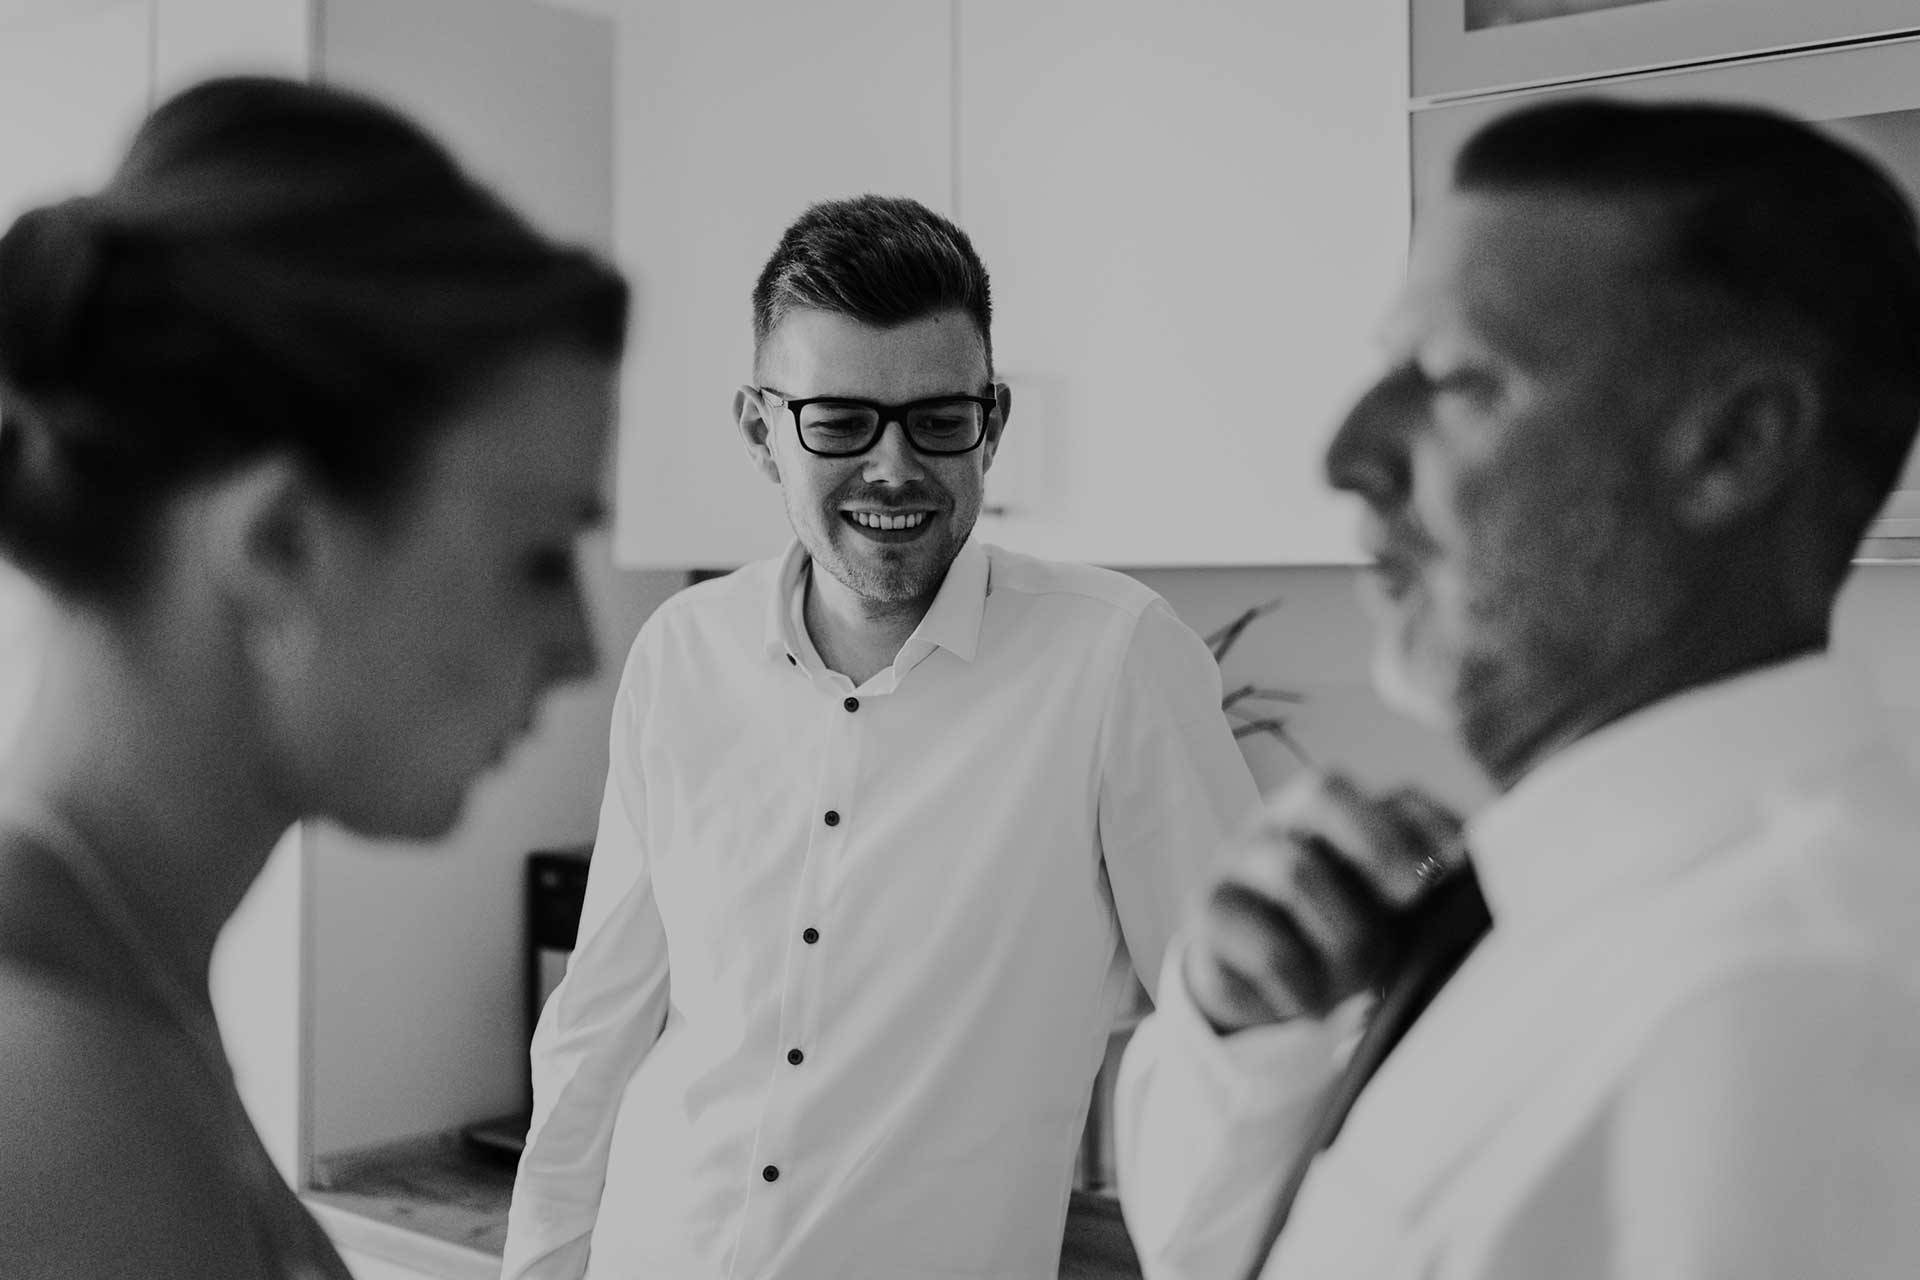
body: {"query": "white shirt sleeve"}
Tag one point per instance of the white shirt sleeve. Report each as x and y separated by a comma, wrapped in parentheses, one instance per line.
(1773, 1133)
(597, 1026)
(1206, 1127)
(1173, 783)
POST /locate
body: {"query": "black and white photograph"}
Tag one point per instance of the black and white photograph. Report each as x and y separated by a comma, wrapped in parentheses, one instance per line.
(959, 640)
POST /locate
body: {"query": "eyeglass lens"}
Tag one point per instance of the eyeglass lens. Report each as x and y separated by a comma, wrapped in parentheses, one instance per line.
(937, 426)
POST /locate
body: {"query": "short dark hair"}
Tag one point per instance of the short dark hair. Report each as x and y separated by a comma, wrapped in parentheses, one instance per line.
(1773, 216)
(882, 260)
(274, 266)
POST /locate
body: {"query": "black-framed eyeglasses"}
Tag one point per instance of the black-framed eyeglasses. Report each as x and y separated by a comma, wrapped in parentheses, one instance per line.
(838, 427)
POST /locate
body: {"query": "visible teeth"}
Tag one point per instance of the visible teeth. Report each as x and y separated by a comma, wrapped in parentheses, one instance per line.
(874, 520)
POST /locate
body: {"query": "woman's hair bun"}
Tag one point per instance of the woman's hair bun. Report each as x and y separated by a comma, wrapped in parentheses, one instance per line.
(51, 263)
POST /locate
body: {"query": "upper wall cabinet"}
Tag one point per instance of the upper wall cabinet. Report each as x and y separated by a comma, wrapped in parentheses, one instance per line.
(731, 116)
(75, 78)
(1193, 216)
(1471, 46)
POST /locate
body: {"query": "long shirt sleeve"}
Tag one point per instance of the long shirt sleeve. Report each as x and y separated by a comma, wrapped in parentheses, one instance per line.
(597, 1026)
(1206, 1127)
(1173, 783)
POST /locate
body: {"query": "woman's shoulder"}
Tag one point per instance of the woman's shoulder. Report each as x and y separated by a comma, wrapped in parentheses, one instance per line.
(101, 1168)
(104, 1168)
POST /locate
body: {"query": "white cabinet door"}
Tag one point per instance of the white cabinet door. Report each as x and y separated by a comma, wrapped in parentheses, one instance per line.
(75, 80)
(732, 116)
(1195, 216)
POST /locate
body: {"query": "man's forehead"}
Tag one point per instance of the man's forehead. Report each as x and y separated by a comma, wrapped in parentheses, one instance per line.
(819, 352)
(1531, 259)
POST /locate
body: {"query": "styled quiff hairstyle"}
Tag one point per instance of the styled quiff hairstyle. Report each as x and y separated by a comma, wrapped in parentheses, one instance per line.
(1802, 235)
(274, 267)
(881, 260)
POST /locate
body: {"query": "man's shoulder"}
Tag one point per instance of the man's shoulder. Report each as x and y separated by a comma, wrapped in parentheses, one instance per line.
(1102, 592)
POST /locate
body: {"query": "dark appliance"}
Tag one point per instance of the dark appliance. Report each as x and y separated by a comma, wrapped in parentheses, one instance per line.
(556, 887)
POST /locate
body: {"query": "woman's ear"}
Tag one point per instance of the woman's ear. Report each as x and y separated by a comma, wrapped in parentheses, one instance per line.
(262, 534)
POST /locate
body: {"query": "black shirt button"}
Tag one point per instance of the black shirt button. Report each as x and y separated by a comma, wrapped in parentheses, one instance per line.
(833, 817)
(851, 704)
(810, 937)
(770, 1173)
(796, 1057)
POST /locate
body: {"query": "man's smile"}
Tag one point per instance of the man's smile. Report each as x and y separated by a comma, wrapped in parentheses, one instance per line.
(888, 526)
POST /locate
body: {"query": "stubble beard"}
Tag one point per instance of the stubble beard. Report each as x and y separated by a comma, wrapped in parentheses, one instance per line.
(914, 573)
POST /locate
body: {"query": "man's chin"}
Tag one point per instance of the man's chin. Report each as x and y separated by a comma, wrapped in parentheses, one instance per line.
(890, 574)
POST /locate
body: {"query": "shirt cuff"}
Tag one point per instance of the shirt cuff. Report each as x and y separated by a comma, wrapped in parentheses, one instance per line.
(1258, 1070)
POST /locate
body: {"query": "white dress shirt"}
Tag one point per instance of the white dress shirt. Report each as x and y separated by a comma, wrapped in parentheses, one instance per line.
(1688, 1050)
(849, 957)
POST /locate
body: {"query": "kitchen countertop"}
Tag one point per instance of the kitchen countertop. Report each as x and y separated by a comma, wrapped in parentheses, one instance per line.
(435, 1205)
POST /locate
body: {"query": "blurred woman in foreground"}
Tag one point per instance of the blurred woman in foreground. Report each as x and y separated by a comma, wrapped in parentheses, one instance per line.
(298, 426)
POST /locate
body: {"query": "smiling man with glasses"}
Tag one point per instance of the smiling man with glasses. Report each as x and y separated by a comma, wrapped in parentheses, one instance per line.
(892, 823)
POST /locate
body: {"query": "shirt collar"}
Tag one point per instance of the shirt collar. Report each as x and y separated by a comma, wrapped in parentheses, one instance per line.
(1639, 800)
(951, 623)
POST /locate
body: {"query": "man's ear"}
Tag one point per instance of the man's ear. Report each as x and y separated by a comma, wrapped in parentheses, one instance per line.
(750, 414)
(996, 423)
(1744, 437)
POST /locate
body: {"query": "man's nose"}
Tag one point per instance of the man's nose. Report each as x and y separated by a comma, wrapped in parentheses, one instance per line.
(892, 460)
(1369, 454)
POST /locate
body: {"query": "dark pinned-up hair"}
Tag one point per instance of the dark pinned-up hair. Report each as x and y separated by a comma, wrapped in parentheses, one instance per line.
(274, 266)
(881, 260)
(1801, 233)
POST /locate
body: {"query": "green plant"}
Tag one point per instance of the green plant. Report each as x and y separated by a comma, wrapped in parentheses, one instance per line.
(1257, 719)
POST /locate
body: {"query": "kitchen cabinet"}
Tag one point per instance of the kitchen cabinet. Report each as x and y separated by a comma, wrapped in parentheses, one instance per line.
(731, 116)
(75, 79)
(1193, 215)
(1865, 95)
(77, 76)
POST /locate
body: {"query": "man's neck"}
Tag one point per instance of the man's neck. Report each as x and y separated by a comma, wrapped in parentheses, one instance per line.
(855, 637)
(1687, 663)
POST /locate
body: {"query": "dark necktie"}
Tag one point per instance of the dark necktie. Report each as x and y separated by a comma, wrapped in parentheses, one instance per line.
(1444, 928)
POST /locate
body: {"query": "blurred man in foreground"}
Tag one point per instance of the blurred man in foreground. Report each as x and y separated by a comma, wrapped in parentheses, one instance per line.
(1653, 373)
